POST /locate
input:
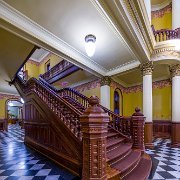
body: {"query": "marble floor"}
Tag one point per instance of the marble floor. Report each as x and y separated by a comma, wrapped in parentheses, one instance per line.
(166, 160)
(17, 161)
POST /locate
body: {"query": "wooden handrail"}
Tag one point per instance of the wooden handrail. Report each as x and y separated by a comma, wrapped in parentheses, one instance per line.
(117, 122)
(166, 34)
(57, 104)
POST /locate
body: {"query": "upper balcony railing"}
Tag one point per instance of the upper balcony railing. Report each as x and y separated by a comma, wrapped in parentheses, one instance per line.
(59, 71)
(166, 34)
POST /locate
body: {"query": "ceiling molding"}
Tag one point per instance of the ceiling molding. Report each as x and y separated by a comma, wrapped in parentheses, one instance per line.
(131, 20)
(128, 66)
(158, 7)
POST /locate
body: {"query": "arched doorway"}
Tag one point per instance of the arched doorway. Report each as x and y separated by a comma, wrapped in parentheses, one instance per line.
(118, 101)
(14, 110)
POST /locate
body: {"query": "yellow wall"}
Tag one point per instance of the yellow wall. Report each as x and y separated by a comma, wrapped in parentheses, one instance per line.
(131, 101)
(164, 22)
(33, 69)
(2, 107)
(162, 103)
(53, 61)
(89, 93)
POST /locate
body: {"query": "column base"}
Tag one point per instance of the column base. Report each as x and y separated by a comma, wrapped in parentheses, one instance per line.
(175, 134)
(148, 135)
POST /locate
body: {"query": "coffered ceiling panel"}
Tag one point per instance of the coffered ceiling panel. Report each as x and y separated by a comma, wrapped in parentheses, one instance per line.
(71, 21)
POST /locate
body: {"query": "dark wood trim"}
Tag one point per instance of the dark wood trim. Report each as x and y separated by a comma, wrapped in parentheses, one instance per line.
(148, 135)
(27, 58)
(60, 159)
(64, 74)
(175, 138)
(162, 128)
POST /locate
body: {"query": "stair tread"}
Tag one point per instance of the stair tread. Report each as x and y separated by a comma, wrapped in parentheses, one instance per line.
(128, 161)
(111, 134)
(142, 170)
(119, 151)
(114, 141)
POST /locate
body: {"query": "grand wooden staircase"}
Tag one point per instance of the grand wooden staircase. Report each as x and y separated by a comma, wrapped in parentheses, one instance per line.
(53, 127)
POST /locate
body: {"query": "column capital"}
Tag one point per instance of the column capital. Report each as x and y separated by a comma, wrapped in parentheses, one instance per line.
(106, 80)
(147, 68)
(174, 70)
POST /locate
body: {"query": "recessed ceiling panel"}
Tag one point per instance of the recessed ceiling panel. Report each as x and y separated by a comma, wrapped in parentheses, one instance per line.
(71, 21)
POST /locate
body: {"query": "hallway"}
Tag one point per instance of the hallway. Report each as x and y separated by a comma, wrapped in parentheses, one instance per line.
(17, 161)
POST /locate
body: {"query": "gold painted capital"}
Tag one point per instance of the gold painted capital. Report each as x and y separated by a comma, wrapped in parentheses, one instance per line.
(106, 80)
(174, 70)
(147, 68)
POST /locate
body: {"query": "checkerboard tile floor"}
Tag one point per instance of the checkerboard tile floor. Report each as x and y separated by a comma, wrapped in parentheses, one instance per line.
(166, 161)
(17, 161)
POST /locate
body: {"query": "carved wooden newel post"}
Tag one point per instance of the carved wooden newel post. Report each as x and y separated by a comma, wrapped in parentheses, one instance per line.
(138, 121)
(94, 124)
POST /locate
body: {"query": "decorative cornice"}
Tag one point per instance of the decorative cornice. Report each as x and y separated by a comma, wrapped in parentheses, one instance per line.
(31, 61)
(165, 50)
(106, 80)
(174, 70)
(124, 67)
(147, 68)
(160, 13)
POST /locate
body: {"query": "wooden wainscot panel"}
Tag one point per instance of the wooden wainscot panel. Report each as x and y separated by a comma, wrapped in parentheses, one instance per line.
(162, 128)
(47, 134)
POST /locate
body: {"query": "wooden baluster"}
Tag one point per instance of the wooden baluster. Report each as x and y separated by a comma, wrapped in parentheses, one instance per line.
(94, 123)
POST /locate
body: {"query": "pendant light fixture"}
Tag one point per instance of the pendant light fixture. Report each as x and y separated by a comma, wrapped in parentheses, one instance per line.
(90, 44)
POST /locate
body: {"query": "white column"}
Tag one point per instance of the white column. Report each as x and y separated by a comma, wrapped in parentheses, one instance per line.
(148, 9)
(175, 14)
(175, 73)
(147, 69)
(147, 97)
(105, 92)
(105, 96)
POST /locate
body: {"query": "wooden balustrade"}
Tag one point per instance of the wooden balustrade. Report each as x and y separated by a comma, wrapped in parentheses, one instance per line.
(64, 110)
(166, 34)
(122, 124)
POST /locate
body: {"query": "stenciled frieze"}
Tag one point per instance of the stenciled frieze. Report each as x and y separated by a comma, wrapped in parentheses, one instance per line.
(147, 68)
(174, 70)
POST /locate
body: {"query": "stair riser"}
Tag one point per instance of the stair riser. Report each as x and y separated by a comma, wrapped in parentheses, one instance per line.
(109, 148)
(115, 160)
